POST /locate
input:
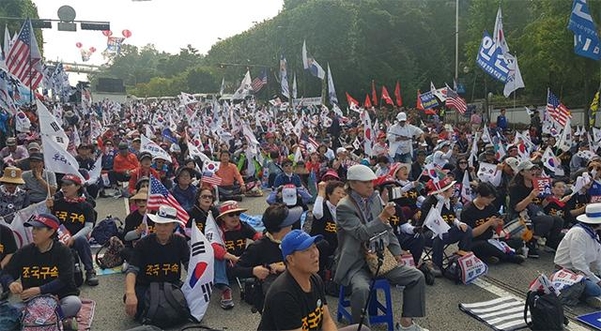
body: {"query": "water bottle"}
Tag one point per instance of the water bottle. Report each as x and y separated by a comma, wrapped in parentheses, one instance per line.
(525, 250)
(458, 208)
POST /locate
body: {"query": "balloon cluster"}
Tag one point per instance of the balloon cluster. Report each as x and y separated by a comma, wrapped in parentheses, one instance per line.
(80, 45)
(108, 33)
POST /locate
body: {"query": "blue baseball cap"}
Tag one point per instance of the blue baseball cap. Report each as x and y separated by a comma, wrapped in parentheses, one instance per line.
(297, 240)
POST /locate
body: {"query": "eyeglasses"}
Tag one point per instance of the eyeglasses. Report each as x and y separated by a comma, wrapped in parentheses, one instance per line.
(234, 214)
(210, 197)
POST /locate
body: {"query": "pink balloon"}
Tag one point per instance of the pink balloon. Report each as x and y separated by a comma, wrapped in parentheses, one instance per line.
(92, 49)
(107, 33)
(126, 33)
(78, 45)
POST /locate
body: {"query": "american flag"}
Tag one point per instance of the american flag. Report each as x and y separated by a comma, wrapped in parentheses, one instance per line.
(210, 178)
(560, 113)
(24, 59)
(160, 196)
(455, 101)
(258, 83)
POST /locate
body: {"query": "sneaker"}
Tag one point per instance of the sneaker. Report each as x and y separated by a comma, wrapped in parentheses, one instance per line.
(532, 250)
(91, 278)
(227, 302)
(436, 271)
(70, 323)
(594, 302)
(516, 258)
(493, 260)
(412, 327)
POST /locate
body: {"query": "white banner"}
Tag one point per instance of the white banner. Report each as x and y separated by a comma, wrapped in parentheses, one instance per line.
(23, 234)
(154, 149)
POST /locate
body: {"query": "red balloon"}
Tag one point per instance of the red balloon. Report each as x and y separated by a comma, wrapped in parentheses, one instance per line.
(107, 33)
(126, 33)
(78, 45)
(92, 49)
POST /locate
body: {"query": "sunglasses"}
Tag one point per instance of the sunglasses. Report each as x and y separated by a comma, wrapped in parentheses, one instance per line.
(462, 162)
(206, 197)
(234, 214)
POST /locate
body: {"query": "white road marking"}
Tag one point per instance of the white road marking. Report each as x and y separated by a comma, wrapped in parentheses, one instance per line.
(126, 201)
(502, 293)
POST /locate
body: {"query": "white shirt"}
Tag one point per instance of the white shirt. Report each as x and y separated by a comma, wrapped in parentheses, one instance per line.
(579, 252)
(318, 208)
(407, 131)
(440, 158)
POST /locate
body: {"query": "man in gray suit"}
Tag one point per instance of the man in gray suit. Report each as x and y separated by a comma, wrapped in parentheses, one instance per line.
(361, 216)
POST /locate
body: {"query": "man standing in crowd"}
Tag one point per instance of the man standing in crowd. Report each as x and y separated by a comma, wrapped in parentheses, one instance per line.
(401, 136)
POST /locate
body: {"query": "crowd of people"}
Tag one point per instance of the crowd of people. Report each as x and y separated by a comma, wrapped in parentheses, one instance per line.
(358, 181)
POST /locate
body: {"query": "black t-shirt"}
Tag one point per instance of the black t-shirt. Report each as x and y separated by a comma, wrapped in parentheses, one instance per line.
(36, 269)
(73, 215)
(235, 240)
(160, 263)
(475, 217)
(519, 192)
(261, 252)
(8, 245)
(199, 217)
(133, 221)
(288, 307)
(447, 214)
(556, 208)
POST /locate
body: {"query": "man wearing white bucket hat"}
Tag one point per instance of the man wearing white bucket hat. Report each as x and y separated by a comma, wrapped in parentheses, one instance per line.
(580, 251)
(400, 136)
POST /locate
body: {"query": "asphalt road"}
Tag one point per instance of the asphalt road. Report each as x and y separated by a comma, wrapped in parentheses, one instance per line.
(442, 298)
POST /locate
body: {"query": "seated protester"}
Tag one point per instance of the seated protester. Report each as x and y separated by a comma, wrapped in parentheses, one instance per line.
(23, 164)
(273, 168)
(12, 197)
(523, 196)
(86, 159)
(8, 246)
(461, 168)
(196, 175)
(296, 296)
(235, 233)
(13, 153)
(409, 236)
(144, 170)
(556, 203)
(77, 216)
(38, 181)
(360, 217)
(232, 184)
(158, 257)
(203, 205)
(288, 177)
(143, 183)
(324, 221)
(483, 217)
(165, 171)
(409, 191)
(263, 258)
(44, 253)
(577, 204)
(183, 191)
(580, 251)
(124, 164)
(383, 166)
(440, 197)
(135, 227)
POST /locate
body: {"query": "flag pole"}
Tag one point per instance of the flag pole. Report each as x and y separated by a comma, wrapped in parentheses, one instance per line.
(31, 36)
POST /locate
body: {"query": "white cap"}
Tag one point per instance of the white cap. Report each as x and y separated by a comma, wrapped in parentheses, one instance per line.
(360, 172)
(401, 116)
(289, 196)
(341, 150)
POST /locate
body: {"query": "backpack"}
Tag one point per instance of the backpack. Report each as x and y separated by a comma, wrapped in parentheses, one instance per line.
(546, 311)
(77, 268)
(453, 270)
(10, 316)
(41, 314)
(164, 305)
(252, 293)
(106, 229)
(111, 251)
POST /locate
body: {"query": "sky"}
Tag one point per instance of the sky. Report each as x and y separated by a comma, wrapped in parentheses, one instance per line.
(168, 24)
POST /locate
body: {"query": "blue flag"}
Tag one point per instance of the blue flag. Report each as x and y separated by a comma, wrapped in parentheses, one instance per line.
(428, 100)
(586, 39)
(491, 59)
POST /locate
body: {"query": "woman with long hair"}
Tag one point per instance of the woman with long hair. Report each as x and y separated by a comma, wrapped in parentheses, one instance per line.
(204, 204)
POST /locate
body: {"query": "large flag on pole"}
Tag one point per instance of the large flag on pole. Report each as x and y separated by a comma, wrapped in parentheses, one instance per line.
(24, 59)
(294, 89)
(310, 64)
(586, 37)
(57, 159)
(244, 89)
(557, 110)
(199, 281)
(49, 126)
(397, 94)
(331, 90)
(284, 77)
(386, 96)
(593, 110)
